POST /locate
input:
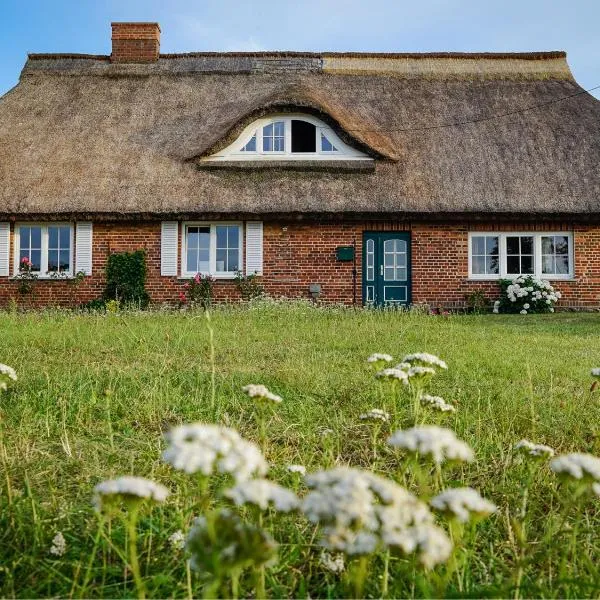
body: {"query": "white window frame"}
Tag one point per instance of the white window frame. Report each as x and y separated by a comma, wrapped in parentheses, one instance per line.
(185, 274)
(234, 150)
(537, 254)
(43, 273)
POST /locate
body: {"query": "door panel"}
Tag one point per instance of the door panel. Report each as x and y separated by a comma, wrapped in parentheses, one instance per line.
(386, 268)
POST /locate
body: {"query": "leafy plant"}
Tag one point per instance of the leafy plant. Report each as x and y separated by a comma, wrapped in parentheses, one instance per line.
(198, 291)
(477, 301)
(26, 277)
(526, 294)
(249, 286)
(126, 278)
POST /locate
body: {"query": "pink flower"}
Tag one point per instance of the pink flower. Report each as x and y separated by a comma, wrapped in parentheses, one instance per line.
(182, 297)
(25, 261)
(186, 286)
(197, 278)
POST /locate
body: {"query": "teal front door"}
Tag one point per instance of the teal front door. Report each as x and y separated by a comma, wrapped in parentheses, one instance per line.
(386, 268)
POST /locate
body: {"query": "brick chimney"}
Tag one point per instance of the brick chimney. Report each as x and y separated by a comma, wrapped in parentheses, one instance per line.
(135, 42)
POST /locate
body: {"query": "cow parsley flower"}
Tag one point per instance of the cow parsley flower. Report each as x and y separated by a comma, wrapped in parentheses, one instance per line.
(436, 402)
(596, 488)
(429, 541)
(462, 504)
(358, 510)
(333, 562)
(379, 358)
(206, 449)
(375, 414)
(534, 450)
(59, 545)
(261, 392)
(262, 493)
(7, 376)
(419, 372)
(177, 540)
(596, 373)
(301, 469)
(438, 443)
(393, 375)
(425, 360)
(581, 467)
(128, 488)
(403, 366)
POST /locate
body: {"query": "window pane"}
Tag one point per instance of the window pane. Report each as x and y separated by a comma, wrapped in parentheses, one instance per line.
(268, 130)
(561, 244)
(267, 144)
(233, 236)
(36, 259)
(221, 261)
(278, 144)
(52, 261)
(492, 265)
(527, 245)
(548, 264)
(527, 265)
(547, 245)
(251, 145)
(512, 265)
(36, 237)
(491, 245)
(478, 244)
(389, 274)
(65, 260)
(53, 237)
(65, 237)
(478, 267)
(562, 264)
(326, 145)
(279, 128)
(221, 237)
(232, 260)
(512, 245)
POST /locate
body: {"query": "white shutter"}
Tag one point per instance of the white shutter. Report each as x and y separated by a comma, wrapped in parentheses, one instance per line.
(254, 247)
(168, 247)
(83, 248)
(4, 249)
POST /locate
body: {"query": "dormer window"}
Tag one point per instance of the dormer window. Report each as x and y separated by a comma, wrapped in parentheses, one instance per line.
(288, 137)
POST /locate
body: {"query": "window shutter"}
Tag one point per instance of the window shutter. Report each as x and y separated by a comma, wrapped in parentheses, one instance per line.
(168, 248)
(4, 249)
(83, 248)
(254, 247)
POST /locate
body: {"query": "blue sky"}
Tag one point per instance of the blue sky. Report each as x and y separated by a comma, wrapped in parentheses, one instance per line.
(366, 25)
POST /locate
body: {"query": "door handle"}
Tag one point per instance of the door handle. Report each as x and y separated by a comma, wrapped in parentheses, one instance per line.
(381, 270)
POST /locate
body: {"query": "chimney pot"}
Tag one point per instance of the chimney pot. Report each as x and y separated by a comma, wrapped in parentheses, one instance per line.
(135, 42)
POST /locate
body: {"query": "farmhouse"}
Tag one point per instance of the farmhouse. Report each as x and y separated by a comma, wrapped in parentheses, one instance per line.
(350, 177)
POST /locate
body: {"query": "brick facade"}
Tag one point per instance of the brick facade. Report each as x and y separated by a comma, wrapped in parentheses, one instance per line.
(135, 42)
(298, 254)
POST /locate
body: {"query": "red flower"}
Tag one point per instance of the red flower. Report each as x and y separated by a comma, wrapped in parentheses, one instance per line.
(182, 297)
(25, 261)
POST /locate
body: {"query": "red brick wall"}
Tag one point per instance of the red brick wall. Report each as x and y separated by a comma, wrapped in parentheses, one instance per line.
(135, 42)
(298, 254)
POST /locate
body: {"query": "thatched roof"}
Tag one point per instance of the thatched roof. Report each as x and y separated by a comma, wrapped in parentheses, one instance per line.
(82, 135)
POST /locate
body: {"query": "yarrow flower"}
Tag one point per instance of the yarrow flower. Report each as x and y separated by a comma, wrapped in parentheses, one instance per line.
(393, 375)
(59, 545)
(436, 442)
(7, 376)
(581, 467)
(379, 358)
(403, 366)
(206, 449)
(595, 373)
(261, 392)
(534, 450)
(375, 414)
(301, 469)
(360, 512)
(462, 504)
(262, 493)
(177, 540)
(429, 541)
(128, 488)
(333, 562)
(419, 372)
(425, 360)
(436, 402)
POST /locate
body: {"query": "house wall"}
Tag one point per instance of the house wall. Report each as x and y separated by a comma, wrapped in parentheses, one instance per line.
(297, 254)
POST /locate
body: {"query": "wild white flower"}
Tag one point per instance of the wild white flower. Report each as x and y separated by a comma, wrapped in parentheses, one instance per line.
(177, 540)
(376, 358)
(577, 466)
(526, 306)
(436, 442)
(297, 469)
(393, 375)
(333, 562)
(262, 493)
(419, 372)
(261, 392)
(358, 509)
(437, 402)
(129, 487)
(375, 414)
(429, 541)
(523, 312)
(206, 449)
(462, 503)
(535, 450)
(326, 432)
(59, 545)
(7, 376)
(596, 373)
(596, 488)
(425, 360)
(403, 366)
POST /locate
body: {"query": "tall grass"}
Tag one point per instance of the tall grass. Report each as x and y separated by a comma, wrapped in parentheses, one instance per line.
(96, 393)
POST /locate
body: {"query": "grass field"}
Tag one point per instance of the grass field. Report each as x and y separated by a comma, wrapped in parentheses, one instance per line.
(96, 393)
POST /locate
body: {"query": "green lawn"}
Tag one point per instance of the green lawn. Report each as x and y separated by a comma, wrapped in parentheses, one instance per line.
(96, 392)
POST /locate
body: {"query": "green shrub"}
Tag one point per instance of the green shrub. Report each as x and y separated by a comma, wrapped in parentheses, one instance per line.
(526, 294)
(198, 291)
(249, 286)
(126, 278)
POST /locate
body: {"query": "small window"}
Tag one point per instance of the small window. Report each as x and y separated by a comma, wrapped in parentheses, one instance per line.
(304, 136)
(326, 145)
(48, 248)
(519, 254)
(274, 137)
(212, 249)
(555, 255)
(251, 145)
(485, 255)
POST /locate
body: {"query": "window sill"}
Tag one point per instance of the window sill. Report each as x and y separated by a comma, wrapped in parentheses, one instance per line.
(304, 164)
(43, 278)
(491, 279)
(225, 277)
